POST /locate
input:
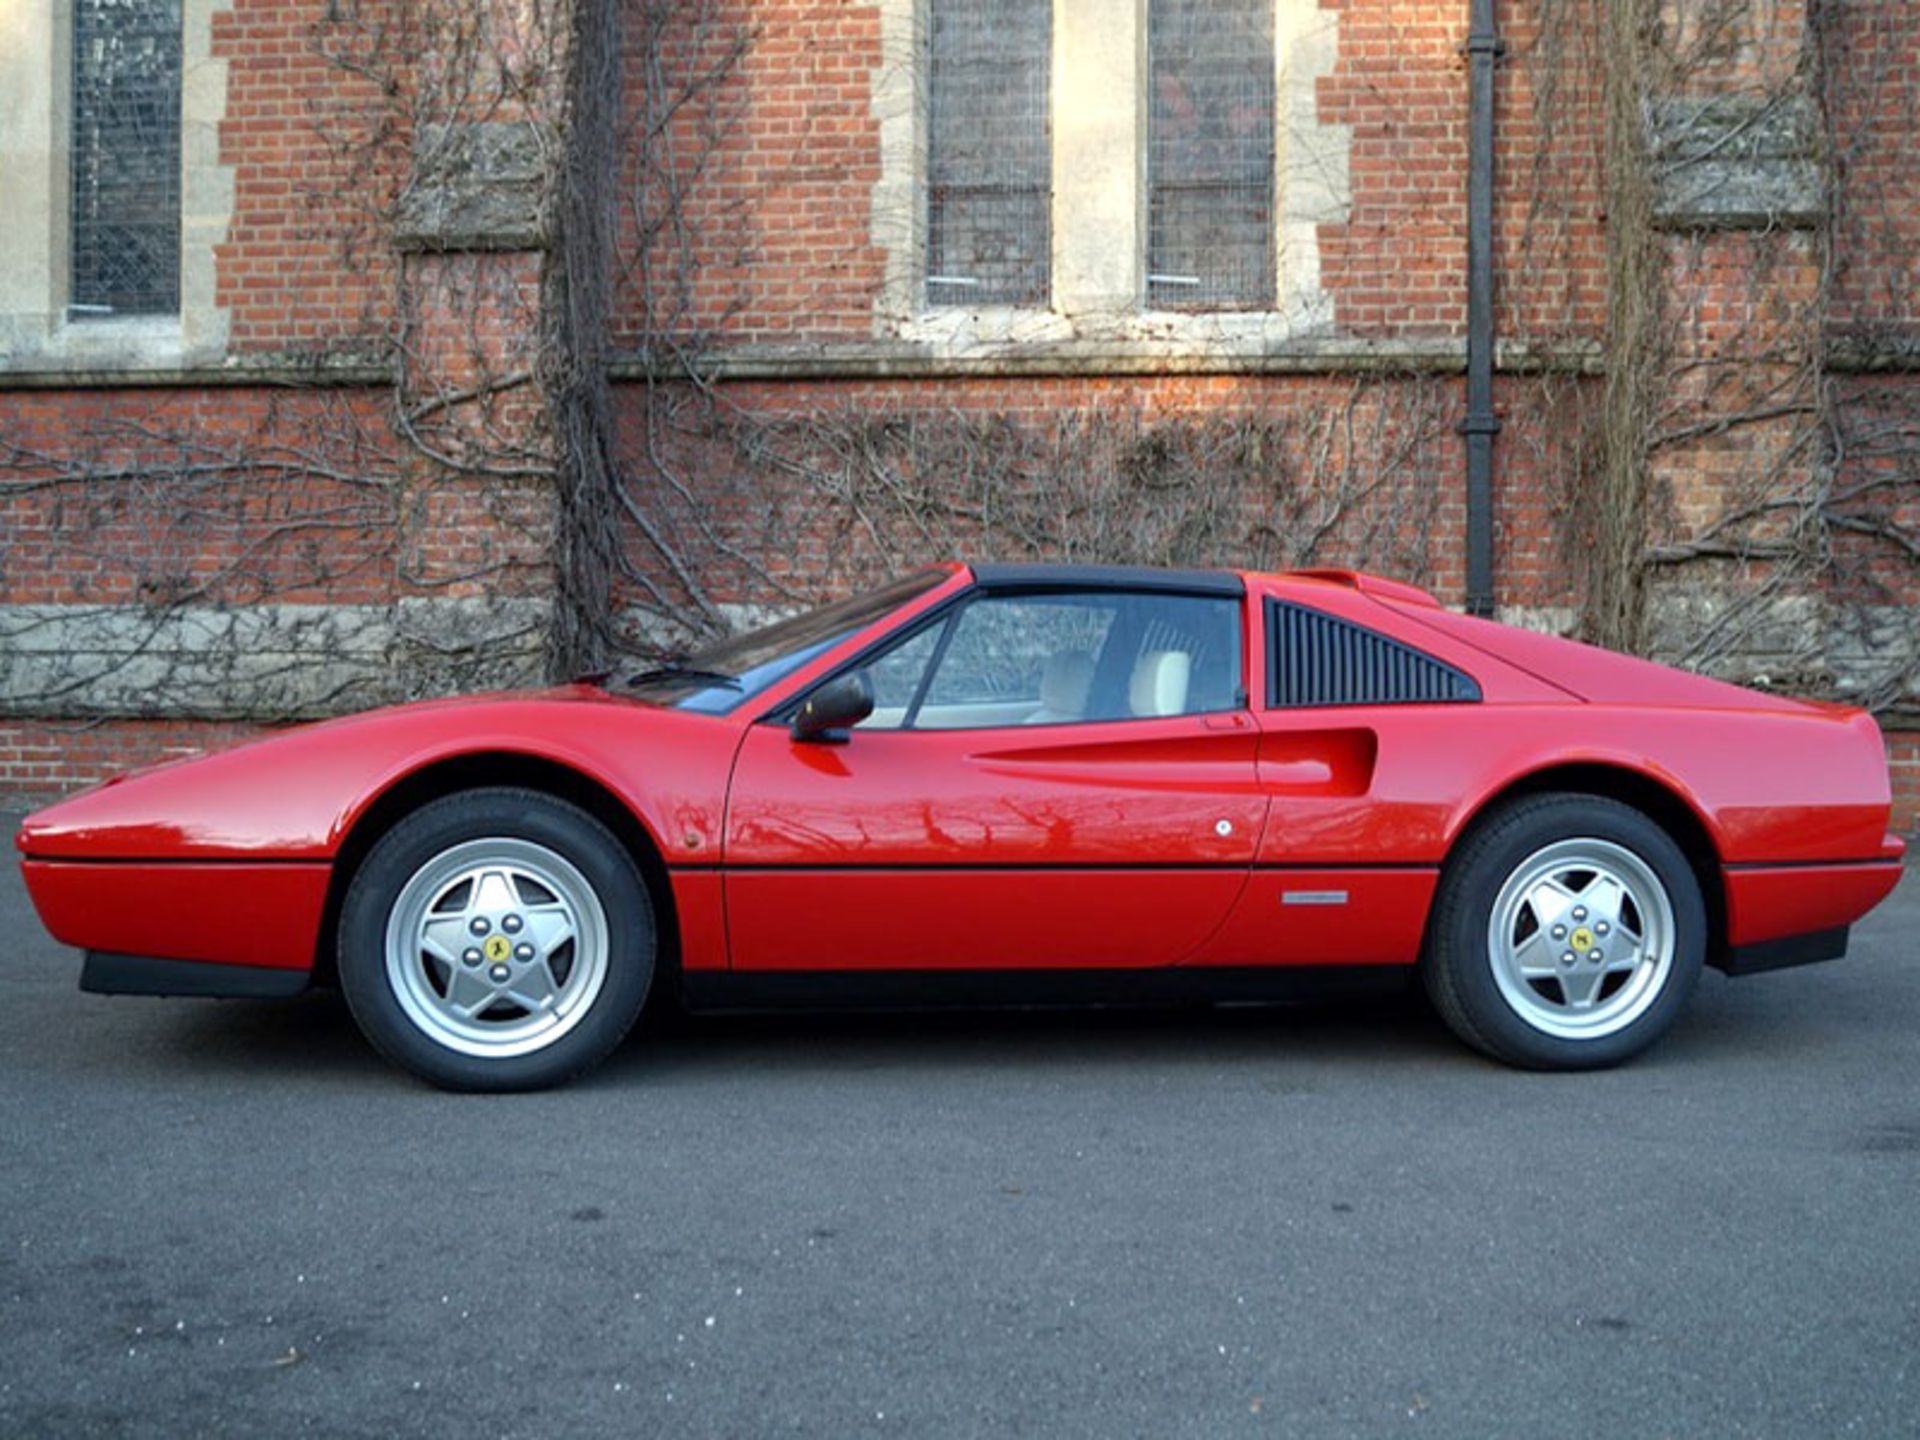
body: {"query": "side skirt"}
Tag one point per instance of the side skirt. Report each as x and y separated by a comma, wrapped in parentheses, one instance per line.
(1035, 989)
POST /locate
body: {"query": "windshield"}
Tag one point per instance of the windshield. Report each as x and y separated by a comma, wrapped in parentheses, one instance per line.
(716, 679)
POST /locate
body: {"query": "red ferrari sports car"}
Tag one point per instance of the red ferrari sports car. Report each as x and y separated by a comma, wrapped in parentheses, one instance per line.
(1003, 783)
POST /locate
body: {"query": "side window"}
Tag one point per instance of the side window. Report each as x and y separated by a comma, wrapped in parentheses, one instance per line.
(1316, 659)
(1058, 659)
(1184, 633)
(1020, 660)
(897, 676)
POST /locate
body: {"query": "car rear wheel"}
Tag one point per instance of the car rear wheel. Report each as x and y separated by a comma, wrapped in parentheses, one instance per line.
(1569, 934)
(497, 940)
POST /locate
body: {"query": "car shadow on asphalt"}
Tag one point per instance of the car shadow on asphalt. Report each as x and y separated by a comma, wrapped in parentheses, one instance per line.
(315, 1037)
(1390, 1025)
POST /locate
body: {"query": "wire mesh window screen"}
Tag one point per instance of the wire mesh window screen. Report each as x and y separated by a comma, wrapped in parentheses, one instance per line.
(989, 157)
(1210, 154)
(126, 158)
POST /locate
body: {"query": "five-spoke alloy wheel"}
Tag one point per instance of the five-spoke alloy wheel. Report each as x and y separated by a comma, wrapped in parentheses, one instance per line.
(496, 940)
(1568, 933)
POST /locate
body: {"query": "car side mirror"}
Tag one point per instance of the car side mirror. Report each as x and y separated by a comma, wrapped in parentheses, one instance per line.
(835, 708)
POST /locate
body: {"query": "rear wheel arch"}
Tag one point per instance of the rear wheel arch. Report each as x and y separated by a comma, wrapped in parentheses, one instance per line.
(1660, 803)
(490, 770)
(1568, 932)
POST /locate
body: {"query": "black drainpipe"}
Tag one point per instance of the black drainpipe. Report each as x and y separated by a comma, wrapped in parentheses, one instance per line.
(1484, 47)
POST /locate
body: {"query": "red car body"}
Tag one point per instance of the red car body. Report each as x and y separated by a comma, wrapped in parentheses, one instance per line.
(1181, 842)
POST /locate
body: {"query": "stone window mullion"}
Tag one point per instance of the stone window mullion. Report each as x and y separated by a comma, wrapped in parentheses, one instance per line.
(1098, 138)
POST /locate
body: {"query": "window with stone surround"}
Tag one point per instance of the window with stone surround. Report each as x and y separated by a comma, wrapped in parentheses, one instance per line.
(124, 154)
(117, 194)
(1210, 154)
(989, 164)
(1128, 174)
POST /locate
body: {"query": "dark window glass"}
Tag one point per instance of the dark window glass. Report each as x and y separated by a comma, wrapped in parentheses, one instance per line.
(989, 159)
(1210, 154)
(126, 158)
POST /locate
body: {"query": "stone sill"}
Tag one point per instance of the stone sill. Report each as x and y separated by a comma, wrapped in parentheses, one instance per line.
(330, 368)
(896, 360)
(906, 360)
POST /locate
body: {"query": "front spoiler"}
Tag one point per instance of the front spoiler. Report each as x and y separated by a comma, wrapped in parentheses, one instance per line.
(108, 973)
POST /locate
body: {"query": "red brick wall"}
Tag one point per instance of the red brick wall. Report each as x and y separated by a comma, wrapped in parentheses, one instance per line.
(242, 494)
(782, 235)
(40, 760)
(780, 230)
(1326, 432)
(1550, 280)
(1903, 759)
(1357, 429)
(1871, 66)
(303, 268)
(778, 165)
(1395, 267)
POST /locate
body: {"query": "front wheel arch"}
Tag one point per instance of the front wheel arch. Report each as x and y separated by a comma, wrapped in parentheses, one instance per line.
(497, 939)
(487, 770)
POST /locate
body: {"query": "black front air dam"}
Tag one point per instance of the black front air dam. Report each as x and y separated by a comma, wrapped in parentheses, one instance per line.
(106, 973)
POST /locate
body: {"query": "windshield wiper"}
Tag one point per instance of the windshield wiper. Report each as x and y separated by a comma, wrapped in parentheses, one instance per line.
(680, 670)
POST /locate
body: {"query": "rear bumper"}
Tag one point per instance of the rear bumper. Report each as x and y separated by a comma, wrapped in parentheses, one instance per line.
(1758, 958)
(1784, 915)
(106, 973)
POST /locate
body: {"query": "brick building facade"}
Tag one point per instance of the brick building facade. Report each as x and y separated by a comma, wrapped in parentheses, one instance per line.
(281, 417)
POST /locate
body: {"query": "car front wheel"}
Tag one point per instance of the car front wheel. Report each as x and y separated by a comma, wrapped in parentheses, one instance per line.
(1568, 934)
(496, 939)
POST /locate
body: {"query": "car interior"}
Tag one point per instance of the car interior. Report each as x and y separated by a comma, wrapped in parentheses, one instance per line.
(1060, 659)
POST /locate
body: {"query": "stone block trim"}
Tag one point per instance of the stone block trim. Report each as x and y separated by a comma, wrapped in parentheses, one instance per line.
(260, 662)
(1735, 163)
(476, 186)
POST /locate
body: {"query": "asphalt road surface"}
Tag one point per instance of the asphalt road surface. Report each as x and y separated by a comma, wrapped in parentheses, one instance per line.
(230, 1218)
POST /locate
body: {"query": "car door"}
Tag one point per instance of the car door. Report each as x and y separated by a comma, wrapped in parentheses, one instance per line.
(1349, 862)
(1050, 779)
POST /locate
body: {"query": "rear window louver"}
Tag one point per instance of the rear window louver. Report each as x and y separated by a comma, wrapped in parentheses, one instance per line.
(1318, 660)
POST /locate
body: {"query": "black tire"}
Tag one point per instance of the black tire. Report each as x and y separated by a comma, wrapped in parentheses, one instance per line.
(555, 931)
(1642, 955)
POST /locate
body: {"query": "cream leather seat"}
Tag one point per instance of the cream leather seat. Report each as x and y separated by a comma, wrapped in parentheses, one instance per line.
(1159, 685)
(1063, 688)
